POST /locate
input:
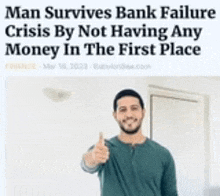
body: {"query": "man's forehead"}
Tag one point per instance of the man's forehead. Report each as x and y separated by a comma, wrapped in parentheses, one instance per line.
(128, 100)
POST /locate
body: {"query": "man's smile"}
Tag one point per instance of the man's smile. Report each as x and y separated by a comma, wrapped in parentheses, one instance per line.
(129, 120)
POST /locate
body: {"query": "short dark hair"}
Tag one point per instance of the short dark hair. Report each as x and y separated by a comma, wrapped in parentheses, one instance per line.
(125, 93)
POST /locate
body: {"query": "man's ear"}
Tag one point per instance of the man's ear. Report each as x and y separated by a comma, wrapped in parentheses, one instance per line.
(144, 112)
(114, 114)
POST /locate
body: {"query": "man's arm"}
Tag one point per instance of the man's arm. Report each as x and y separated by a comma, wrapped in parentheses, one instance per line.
(168, 186)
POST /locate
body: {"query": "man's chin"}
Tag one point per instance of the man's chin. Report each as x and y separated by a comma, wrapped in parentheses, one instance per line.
(130, 131)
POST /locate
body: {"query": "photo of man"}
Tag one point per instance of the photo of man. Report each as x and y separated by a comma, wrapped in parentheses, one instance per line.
(131, 164)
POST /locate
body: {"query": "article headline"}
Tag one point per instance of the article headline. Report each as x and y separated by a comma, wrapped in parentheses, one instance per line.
(166, 36)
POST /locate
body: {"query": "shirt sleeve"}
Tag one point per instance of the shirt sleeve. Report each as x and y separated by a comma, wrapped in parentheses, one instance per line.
(168, 185)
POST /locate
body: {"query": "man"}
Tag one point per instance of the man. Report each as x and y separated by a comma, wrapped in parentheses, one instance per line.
(131, 164)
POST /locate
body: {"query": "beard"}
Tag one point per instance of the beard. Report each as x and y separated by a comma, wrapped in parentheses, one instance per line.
(130, 131)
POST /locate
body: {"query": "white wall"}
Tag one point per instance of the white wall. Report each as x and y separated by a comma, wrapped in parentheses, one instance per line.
(45, 140)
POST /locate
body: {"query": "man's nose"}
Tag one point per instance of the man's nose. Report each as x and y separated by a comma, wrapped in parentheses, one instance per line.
(129, 113)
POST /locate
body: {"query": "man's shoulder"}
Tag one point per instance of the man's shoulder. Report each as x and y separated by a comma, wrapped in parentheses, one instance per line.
(113, 141)
(159, 148)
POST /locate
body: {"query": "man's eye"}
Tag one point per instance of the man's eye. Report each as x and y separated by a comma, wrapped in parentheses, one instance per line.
(122, 110)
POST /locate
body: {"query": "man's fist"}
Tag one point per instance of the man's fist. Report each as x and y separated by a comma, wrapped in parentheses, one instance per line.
(99, 154)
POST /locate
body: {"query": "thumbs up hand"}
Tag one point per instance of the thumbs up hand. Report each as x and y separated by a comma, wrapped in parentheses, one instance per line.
(99, 154)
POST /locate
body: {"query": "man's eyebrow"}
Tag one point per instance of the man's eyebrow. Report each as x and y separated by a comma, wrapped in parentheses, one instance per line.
(121, 107)
(136, 105)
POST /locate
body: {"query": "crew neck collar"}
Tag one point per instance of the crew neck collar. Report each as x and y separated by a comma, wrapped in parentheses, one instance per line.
(130, 144)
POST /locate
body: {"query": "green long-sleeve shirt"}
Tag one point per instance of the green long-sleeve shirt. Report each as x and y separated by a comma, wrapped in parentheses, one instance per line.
(143, 170)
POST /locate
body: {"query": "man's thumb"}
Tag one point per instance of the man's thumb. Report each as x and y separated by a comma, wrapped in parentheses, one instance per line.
(101, 138)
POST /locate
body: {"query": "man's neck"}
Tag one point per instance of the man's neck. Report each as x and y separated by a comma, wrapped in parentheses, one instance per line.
(133, 139)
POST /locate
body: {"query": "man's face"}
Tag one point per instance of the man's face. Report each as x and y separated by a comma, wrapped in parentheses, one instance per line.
(129, 114)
